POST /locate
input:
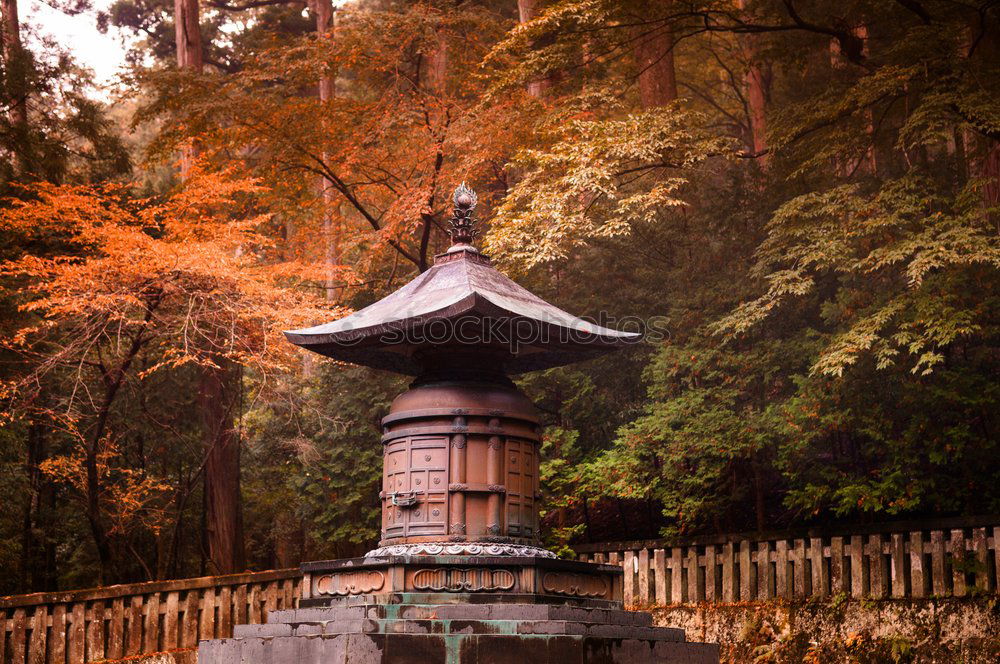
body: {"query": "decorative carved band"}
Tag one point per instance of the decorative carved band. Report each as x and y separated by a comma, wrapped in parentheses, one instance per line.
(459, 549)
(576, 585)
(456, 580)
(477, 488)
(350, 583)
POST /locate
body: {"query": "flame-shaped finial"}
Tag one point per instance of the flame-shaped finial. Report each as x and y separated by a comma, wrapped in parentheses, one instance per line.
(462, 224)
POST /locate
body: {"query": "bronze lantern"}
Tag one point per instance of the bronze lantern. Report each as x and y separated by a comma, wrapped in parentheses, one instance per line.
(460, 469)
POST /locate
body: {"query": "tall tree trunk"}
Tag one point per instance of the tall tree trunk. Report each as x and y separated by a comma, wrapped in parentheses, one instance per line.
(868, 163)
(37, 548)
(653, 50)
(187, 33)
(527, 10)
(985, 152)
(219, 385)
(759, 493)
(16, 63)
(223, 503)
(323, 11)
(758, 82)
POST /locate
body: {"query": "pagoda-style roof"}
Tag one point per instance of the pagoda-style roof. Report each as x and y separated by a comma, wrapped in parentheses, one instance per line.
(461, 304)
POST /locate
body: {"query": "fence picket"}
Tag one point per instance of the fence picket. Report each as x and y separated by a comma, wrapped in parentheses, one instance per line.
(189, 626)
(781, 569)
(133, 639)
(876, 566)
(765, 575)
(171, 617)
(958, 563)
(643, 596)
(838, 581)
(3, 635)
(224, 628)
(660, 577)
(676, 578)
(859, 571)
(799, 567)
(897, 570)
(981, 554)
(151, 624)
(728, 581)
(746, 582)
(57, 635)
(917, 573)
(95, 632)
(628, 592)
(116, 630)
(692, 572)
(817, 571)
(710, 573)
(270, 598)
(18, 634)
(253, 604)
(39, 635)
(77, 633)
(207, 628)
(996, 555)
(937, 562)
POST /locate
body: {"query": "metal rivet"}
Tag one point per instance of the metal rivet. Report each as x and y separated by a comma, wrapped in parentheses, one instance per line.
(418, 480)
(436, 512)
(437, 480)
(427, 457)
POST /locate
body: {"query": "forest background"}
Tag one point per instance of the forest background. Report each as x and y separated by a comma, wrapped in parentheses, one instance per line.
(807, 192)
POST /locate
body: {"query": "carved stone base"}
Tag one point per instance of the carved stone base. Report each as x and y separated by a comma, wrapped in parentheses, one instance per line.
(458, 610)
(392, 576)
(349, 631)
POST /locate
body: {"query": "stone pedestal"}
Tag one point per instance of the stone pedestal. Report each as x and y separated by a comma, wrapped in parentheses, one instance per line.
(442, 578)
(458, 610)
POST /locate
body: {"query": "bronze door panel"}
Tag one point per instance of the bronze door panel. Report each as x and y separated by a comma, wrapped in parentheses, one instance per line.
(521, 479)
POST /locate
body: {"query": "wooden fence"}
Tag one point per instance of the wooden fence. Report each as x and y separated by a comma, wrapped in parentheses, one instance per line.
(947, 559)
(119, 621)
(953, 558)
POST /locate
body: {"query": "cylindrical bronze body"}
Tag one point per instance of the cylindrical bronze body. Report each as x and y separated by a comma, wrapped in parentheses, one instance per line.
(460, 464)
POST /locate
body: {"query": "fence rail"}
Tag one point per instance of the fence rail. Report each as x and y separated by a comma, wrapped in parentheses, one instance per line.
(120, 621)
(914, 563)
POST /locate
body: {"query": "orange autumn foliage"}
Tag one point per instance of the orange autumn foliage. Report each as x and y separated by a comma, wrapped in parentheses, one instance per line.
(187, 278)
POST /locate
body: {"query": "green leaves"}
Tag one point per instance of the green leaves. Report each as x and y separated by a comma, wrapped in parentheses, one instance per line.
(597, 178)
(902, 248)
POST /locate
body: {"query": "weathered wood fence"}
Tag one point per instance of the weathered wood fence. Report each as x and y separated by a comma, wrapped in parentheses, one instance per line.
(952, 558)
(119, 621)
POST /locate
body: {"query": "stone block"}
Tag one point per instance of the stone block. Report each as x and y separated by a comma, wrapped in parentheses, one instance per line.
(268, 629)
(497, 633)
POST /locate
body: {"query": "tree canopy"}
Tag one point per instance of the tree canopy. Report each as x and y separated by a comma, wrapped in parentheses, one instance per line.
(800, 198)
